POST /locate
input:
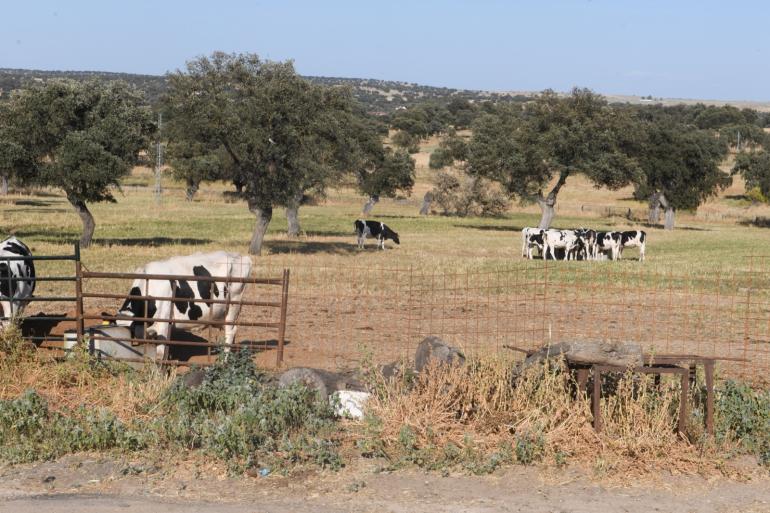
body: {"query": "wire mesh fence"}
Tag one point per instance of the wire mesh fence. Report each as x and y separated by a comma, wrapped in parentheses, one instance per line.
(340, 315)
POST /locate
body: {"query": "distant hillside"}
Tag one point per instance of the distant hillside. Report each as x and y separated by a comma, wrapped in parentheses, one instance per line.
(378, 96)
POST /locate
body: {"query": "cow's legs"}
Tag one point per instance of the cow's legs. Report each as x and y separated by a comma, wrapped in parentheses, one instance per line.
(230, 329)
(161, 330)
(641, 252)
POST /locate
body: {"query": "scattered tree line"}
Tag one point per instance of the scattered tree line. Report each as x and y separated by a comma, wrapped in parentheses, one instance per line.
(671, 155)
(276, 136)
(279, 138)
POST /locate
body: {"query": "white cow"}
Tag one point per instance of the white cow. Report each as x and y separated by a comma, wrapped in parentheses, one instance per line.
(566, 239)
(609, 242)
(531, 238)
(185, 310)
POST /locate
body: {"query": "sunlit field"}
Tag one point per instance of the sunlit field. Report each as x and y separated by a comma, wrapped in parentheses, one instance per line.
(136, 228)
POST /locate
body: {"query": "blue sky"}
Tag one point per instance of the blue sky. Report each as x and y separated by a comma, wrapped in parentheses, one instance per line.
(686, 49)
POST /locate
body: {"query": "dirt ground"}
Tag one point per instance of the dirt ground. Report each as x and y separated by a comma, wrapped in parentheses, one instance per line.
(86, 483)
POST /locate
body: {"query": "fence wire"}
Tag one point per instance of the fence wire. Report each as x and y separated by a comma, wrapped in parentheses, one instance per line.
(339, 316)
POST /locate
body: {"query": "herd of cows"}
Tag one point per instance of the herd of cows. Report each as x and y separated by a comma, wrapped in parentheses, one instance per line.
(581, 244)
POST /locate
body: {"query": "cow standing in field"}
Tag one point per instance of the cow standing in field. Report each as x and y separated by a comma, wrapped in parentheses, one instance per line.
(633, 239)
(535, 239)
(531, 237)
(607, 241)
(184, 309)
(17, 278)
(564, 239)
(375, 229)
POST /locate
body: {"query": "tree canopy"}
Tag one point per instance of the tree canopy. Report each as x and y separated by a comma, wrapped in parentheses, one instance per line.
(680, 166)
(81, 137)
(526, 148)
(282, 135)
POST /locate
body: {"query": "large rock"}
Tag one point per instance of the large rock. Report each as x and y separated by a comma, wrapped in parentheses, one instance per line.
(323, 381)
(433, 348)
(622, 354)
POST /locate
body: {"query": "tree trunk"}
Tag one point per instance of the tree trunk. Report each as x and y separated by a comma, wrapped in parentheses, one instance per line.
(373, 199)
(239, 185)
(192, 188)
(292, 215)
(670, 212)
(89, 225)
(654, 215)
(548, 203)
(547, 212)
(4, 185)
(426, 201)
(264, 215)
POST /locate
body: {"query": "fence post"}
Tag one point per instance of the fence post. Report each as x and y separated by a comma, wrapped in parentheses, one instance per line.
(282, 326)
(80, 323)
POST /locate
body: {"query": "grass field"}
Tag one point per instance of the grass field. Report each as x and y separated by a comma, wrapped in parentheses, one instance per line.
(693, 282)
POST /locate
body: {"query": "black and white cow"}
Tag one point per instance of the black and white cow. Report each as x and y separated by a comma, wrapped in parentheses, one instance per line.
(633, 239)
(586, 243)
(17, 278)
(531, 237)
(536, 239)
(186, 310)
(564, 239)
(375, 229)
(609, 242)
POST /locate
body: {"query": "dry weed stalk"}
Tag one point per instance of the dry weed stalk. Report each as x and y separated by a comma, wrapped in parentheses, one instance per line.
(78, 380)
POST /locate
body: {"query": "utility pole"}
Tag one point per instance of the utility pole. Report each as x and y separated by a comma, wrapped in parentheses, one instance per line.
(158, 161)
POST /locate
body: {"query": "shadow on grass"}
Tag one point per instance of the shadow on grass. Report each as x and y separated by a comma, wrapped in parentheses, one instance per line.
(683, 228)
(69, 237)
(302, 247)
(331, 233)
(490, 228)
(758, 222)
(153, 241)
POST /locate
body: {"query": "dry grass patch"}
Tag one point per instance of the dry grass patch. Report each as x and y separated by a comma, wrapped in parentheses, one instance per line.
(483, 414)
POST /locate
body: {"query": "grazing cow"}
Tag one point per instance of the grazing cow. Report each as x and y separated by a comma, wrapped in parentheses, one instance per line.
(15, 292)
(607, 241)
(633, 239)
(187, 309)
(566, 239)
(375, 229)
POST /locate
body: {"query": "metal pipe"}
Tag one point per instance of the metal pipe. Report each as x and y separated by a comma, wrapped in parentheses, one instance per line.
(136, 276)
(162, 298)
(181, 321)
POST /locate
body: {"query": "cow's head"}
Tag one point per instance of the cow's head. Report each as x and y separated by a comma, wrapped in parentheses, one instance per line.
(136, 307)
(390, 234)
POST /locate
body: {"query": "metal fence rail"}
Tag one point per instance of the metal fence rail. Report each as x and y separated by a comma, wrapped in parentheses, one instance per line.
(240, 322)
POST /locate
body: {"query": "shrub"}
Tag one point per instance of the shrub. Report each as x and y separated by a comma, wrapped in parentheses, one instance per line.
(30, 431)
(461, 195)
(744, 415)
(236, 413)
